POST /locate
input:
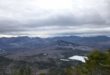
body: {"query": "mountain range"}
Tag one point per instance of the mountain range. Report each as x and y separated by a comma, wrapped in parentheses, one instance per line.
(53, 45)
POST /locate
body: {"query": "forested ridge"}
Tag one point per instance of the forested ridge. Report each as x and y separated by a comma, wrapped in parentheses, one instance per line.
(98, 63)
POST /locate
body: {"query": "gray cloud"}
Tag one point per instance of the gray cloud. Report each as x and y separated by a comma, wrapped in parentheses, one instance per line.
(24, 17)
(71, 20)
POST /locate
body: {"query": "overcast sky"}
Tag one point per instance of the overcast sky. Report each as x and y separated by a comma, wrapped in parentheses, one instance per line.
(46, 18)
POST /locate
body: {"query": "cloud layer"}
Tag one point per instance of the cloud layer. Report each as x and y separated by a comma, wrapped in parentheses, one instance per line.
(54, 17)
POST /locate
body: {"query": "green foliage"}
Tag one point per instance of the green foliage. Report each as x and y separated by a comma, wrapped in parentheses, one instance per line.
(23, 70)
(42, 74)
(98, 63)
(69, 71)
